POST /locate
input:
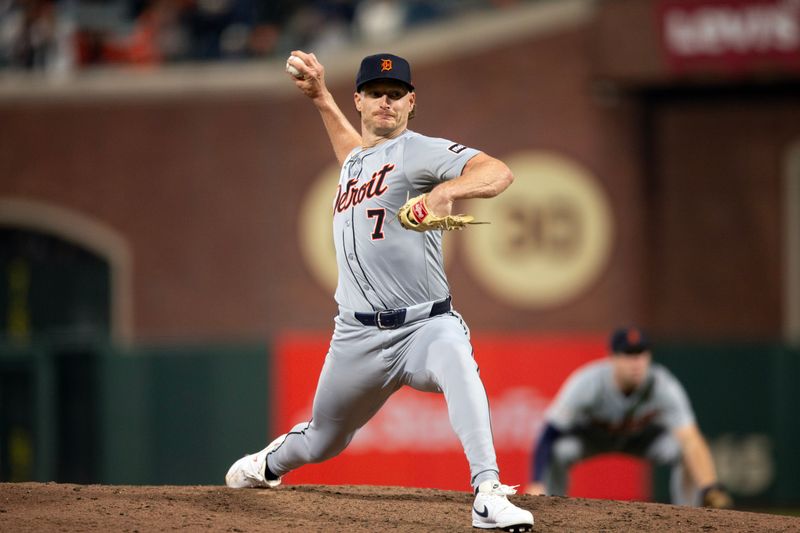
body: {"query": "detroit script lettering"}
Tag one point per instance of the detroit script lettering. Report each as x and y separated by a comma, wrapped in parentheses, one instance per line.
(353, 195)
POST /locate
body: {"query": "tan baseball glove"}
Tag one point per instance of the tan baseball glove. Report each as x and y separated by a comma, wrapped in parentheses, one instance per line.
(716, 497)
(415, 215)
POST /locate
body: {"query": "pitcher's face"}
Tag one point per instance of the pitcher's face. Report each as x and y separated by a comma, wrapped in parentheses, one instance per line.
(384, 106)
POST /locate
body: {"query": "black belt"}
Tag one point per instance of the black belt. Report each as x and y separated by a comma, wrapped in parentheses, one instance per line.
(394, 318)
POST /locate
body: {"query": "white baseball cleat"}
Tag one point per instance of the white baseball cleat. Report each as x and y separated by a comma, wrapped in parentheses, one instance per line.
(493, 510)
(248, 472)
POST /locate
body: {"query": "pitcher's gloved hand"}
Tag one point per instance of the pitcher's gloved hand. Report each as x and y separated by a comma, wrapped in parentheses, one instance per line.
(415, 215)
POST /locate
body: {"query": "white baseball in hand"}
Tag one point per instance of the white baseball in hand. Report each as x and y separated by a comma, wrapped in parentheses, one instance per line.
(291, 69)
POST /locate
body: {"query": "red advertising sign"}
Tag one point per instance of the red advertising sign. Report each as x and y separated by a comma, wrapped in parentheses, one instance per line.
(734, 36)
(410, 441)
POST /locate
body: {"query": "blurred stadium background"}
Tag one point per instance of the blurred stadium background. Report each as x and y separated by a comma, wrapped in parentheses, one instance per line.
(165, 268)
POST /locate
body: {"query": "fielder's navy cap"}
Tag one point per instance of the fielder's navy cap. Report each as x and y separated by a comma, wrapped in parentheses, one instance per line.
(629, 340)
(383, 67)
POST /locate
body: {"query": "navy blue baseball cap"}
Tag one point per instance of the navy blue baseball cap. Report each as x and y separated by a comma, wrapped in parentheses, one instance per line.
(629, 340)
(384, 67)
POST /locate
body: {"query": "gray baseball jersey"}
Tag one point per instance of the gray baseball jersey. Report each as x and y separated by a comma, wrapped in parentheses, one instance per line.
(596, 417)
(590, 398)
(381, 264)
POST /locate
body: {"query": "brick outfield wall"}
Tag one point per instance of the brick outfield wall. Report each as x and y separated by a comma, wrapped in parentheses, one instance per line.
(206, 192)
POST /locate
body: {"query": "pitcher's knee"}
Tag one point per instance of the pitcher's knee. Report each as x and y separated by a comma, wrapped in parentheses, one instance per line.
(327, 449)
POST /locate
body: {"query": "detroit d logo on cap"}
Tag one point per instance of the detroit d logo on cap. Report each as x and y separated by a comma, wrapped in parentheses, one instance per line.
(386, 64)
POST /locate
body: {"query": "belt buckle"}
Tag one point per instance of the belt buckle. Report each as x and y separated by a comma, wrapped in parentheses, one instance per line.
(378, 320)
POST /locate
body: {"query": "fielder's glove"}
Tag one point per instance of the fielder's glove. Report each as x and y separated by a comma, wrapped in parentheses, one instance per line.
(415, 215)
(716, 497)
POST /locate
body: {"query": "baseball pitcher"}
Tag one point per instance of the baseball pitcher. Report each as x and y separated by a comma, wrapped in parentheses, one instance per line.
(396, 324)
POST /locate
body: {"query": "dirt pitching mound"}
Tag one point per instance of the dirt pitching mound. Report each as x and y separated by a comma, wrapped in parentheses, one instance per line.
(62, 507)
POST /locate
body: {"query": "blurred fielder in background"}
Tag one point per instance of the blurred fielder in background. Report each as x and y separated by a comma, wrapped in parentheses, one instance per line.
(626, 404)
(396, 325)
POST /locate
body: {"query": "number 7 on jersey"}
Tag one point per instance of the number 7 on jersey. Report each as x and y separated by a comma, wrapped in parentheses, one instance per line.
(379, 215)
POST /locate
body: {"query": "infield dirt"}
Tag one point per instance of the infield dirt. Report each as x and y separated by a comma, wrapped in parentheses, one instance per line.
(90, 508)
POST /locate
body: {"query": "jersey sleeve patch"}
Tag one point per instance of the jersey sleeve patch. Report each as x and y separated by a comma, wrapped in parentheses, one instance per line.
(457, 148)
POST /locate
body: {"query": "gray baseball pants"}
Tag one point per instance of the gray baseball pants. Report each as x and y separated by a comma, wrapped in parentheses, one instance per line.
(365, 365)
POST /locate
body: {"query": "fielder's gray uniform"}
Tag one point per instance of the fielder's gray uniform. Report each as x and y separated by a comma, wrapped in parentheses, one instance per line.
(592, 416)
(421, 342)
